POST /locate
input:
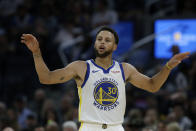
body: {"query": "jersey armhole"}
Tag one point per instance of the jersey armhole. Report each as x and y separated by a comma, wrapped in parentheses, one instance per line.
(122, 71)
(86, 75)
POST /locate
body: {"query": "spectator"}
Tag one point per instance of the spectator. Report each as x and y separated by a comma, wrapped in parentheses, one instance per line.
(4, 43)
(151, 118)
(175, 49)
(66, 106)
(8, 7)
(22, 110)
(192, 112)
(173, 127)
(13, 117)
(134, 114)
(161, 126)
(192, 75)
(8, 129)
(69, 126)
(22, 21)
(38, 102)
(31, 123)
(179, 114)
(3, 108)
(73, 115)
(52, 126)
(65, 32)
(49, 112)
(103, 15)
(82, 16)
(39, 128)
(147, 129)
(47, 17)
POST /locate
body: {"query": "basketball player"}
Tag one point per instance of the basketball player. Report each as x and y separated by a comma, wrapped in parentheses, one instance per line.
(101, 82)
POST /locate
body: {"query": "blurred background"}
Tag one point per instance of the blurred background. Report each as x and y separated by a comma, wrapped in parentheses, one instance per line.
(150, 31)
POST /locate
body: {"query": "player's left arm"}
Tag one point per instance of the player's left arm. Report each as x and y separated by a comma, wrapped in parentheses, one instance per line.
(152, 84)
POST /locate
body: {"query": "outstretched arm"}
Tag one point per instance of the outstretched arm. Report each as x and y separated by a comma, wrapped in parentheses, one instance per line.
(45, 75)
(152, 84)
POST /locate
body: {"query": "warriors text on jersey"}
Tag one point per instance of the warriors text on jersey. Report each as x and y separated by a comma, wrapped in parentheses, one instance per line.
(102, 95)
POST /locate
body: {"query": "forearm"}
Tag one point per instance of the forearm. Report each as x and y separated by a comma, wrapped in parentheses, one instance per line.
(41, 68)
(152, 84)
(158, 80)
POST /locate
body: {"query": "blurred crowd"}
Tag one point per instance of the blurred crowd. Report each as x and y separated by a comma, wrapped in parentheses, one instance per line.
(27, 105)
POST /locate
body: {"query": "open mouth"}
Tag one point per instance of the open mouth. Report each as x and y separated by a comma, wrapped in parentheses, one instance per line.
(101, 48)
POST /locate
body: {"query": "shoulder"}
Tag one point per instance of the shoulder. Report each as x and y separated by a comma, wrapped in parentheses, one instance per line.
(127, 66)
(78, 65)
(128, 70)
(79, 68)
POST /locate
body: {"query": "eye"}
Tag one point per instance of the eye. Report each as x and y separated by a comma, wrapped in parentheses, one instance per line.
(107, 40)
(99, 39)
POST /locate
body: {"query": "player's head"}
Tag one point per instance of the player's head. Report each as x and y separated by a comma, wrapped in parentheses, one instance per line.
(114, 33)
(106, 42)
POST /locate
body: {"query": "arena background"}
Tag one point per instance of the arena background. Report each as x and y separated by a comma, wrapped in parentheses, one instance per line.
(66, 31)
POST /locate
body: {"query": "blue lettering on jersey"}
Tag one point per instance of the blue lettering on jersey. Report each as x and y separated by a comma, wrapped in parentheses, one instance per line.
(106, 94)
(105, 79)
(106, 108)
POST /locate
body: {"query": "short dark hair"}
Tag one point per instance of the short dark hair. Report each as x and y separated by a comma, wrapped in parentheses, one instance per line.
(106, 28)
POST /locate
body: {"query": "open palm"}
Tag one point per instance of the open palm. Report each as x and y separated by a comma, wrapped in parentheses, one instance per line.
(176, 59)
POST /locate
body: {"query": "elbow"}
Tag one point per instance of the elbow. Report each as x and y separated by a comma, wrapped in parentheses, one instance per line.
(153, 87)
(154, 90)
(45, 81)
(42, 81)
(45, 78)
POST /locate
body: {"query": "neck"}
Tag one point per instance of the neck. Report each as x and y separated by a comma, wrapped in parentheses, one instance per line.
(105, 62)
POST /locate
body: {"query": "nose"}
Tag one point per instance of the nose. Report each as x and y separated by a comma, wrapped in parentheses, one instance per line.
(102, 42)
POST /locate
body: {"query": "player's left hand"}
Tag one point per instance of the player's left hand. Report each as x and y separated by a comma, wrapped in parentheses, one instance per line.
(176, 59)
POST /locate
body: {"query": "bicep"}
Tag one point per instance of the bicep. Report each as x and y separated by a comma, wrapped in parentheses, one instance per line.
(137, 79)
(64, 74)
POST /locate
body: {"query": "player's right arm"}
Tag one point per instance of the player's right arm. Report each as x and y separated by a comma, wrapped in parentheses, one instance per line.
(45, 75)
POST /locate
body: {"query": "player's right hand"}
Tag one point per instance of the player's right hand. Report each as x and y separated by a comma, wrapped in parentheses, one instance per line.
(31, 42)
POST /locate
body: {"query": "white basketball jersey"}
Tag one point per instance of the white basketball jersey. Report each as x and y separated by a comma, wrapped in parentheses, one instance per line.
(102, 95)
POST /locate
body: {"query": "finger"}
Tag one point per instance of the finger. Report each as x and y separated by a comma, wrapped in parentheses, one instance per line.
(176, 62)
(186, 53)
(27, 35)
(185, 57)
(22, 37)
(182, 55)
(23, 41)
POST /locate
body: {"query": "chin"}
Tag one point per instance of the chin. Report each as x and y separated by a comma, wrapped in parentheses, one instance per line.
(102, 54)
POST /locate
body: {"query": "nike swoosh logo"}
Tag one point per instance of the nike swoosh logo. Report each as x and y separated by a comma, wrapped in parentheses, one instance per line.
(94, 71)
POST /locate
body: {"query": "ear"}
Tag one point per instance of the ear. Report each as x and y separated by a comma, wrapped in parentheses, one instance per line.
(115, 47)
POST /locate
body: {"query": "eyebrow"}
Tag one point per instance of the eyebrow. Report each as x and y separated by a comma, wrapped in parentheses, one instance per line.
(105, 37)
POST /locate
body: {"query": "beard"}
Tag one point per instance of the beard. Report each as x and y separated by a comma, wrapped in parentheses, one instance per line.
(105, 54)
